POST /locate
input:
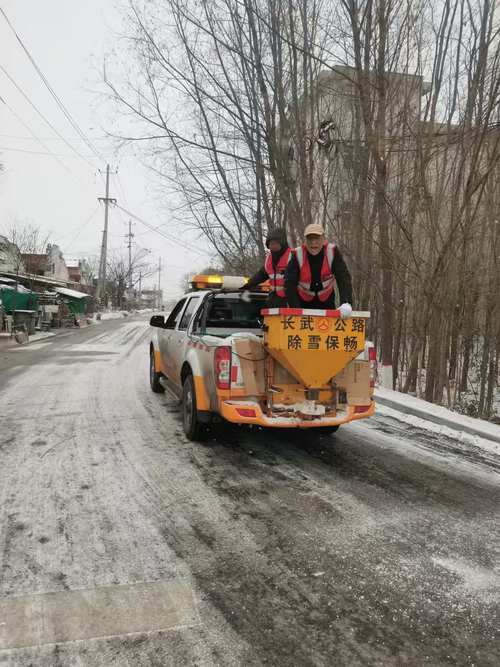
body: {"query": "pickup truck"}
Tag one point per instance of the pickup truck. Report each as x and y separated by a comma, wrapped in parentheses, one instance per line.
(226, 356)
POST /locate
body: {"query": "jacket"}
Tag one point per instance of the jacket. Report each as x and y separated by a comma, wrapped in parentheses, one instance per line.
(274, 265)
(339, 270)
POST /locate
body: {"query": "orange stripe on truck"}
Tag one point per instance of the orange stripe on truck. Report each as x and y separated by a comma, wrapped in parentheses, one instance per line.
(202, 400)
(157, 358)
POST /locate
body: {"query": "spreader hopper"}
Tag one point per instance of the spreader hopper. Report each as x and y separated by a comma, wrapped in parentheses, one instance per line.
(313, 345)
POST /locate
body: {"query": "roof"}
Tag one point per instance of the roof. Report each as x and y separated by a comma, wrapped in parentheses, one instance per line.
(71, 293)
(34, 278)
(12, 286)
(72, 263)
(35, 260)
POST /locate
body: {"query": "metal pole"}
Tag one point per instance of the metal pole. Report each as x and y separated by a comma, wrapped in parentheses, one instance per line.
(159, 282)
(101, 285)
(130, 237)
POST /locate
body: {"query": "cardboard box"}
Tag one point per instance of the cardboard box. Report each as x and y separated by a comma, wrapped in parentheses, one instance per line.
(251, 355)
(354, 379)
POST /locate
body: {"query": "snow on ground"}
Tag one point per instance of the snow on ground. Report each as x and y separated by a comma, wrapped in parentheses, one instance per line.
(483, 428)
(471, 576)
(440, 429)
(39, 335)
(113, 315)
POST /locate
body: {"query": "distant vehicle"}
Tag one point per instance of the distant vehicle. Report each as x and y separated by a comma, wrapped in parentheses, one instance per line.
(226, 356)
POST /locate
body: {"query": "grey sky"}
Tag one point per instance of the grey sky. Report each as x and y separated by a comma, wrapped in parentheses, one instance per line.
(68, 40)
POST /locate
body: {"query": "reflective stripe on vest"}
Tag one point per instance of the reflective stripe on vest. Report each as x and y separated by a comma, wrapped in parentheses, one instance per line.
(305, 278)
(278, 279)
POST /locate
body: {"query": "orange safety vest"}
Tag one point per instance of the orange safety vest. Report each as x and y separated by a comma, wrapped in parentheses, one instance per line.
(277, 279)
(305, 278)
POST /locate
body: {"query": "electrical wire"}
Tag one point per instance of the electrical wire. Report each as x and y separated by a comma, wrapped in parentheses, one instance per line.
(25, 150)
(161, 233)
(54, 95)
(26, 127)
(120, 187)
(25, 138)
(43, 117)
(81, 227)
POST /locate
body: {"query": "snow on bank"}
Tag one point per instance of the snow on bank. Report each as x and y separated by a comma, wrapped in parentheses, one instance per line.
(435, 417)
(467, 439)
(436, 413)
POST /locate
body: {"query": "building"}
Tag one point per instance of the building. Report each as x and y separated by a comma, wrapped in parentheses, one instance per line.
(10, 257)
(79, 271)
(50, 265)
(337, 142)
(151, 298)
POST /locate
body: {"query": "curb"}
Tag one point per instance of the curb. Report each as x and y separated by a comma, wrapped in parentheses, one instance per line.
(442, 421)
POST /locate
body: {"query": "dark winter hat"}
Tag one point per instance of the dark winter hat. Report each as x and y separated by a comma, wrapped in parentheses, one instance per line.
(277, 234)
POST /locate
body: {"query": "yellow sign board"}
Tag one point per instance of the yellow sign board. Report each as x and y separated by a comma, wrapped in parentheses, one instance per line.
(314, 348)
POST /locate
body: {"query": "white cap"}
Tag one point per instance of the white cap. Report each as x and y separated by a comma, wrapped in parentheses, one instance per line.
(314, 229)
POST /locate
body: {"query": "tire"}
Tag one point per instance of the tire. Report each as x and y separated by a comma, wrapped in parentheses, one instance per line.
(327, 430)
(154, 377)
(193, 428)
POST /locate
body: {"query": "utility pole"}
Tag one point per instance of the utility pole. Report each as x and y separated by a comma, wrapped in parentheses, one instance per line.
(140, 287)
(101, 284)
(130, 236)
(159, 282)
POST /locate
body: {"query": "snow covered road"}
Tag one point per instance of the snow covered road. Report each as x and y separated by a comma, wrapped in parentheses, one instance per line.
(121, 543)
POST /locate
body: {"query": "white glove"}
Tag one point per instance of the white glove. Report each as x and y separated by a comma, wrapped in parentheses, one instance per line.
(246, 296)
(345, 310)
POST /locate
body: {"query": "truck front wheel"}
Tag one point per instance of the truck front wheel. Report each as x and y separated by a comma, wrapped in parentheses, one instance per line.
(154, 377)
(193, 428)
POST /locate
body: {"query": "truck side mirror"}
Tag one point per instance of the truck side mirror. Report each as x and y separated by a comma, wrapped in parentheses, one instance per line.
(157, 321)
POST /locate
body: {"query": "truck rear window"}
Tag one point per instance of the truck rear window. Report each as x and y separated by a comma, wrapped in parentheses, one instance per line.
(232, 312)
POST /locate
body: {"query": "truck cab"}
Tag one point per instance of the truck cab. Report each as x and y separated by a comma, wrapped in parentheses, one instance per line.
(226, 356)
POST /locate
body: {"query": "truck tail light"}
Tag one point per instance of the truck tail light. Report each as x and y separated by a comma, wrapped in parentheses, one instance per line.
(372, 358)
(361, 408)
(246, 412)
(222, 367)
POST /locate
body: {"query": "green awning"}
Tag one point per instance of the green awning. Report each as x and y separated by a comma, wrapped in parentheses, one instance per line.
(13, 300)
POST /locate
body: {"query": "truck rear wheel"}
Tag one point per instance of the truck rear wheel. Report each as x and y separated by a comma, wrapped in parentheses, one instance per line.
(193, 428)
(328, 430)
(154, 377)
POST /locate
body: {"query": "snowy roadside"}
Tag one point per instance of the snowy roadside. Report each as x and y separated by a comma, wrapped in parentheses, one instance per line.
(436, 418)
(7, 342)
(112, 315)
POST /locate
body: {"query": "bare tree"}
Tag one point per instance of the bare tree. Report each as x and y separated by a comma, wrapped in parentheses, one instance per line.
(24, 239)
(120, 275)
(378, 118)
(221, 109)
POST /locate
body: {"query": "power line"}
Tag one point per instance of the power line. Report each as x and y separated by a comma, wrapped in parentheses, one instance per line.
(20, 120)
(121, 188)
(24, 138)
(25, 150)
(79, 229)
(161, 233)
(58, 101)
(44, 118)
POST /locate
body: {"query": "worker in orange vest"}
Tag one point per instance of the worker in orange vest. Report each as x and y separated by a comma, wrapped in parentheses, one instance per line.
(312, 272)
(274, 268)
